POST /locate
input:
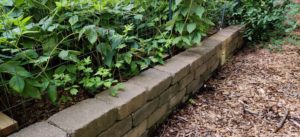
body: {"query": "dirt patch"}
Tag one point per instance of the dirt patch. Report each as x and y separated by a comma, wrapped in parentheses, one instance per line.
(250, 96)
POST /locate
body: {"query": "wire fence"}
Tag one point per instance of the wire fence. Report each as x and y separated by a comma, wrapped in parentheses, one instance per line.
(22, 109)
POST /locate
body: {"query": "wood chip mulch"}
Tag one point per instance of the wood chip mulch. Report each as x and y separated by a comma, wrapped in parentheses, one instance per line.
(256, 94)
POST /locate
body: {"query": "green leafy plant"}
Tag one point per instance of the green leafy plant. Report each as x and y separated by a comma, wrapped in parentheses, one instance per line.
(265, 19)
(57, 48)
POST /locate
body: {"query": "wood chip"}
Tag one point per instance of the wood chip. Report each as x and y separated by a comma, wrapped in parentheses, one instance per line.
(247, 97)
(281, 123)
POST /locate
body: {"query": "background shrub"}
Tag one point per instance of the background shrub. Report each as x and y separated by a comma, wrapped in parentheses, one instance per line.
(265, 19)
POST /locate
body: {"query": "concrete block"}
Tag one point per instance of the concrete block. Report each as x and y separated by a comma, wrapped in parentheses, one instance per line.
(118, 129)
(128, 100)
(85, 119)
(41, 129)
(144, 112)
(155, 81)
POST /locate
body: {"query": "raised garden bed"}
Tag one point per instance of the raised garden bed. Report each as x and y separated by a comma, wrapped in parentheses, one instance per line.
(146, 99)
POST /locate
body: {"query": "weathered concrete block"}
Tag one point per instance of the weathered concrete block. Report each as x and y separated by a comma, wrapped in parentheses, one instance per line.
(214, 63)
(209, 48)
(145, 134)
(192, 58)
(201, 70)
(164, 117)
(185, 99)
(226, 40)
(240, 43)
(156, 115)
(177, 98)
(168, 94)
(229, 33)
(229, 38)
(85, 119)
(194, 86)
(206, 75)
(131, 98)
(178, 69)
(41, 129)
(144, 112)
(118, 129)
(186, 80)
(138, 130)
(155, 81)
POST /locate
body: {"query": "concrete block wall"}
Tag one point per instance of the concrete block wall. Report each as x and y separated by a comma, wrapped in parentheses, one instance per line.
(147, 99)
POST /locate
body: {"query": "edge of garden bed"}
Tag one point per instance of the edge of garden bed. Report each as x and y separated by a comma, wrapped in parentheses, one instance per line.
(147, 99)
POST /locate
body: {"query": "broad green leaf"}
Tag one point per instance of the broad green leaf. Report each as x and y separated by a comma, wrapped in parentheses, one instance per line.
(27, 53)
(113, 92)
(128, 58)
(69, 55)
(81, 32)
(191, 27)
(199, 11)
(108, 59)
(186, 40)
(74, 91)
(41, 83)
(91, 35)
(184, 12)
(14, 68)
(134, 68)
(18, 2)
(52, 93)
(41, 60)
(176, 40)
(72, 69)
(197, 38)
(73, 20)
(31, 91)
(138, 17)
(107, 84)
(179, 27)
(116, 41)
(7, 2)
(52, 27)
(63, 55)
(17, 83)
(25, 20)
(46, 22)
(60, 69)
(49, 44)
(129, 7)
(177, 2)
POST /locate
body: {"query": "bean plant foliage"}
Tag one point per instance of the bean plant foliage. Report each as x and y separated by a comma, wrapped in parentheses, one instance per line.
(56, 48)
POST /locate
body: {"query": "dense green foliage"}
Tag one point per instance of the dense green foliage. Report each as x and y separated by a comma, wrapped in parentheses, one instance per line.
(56, 48)
(265, 19)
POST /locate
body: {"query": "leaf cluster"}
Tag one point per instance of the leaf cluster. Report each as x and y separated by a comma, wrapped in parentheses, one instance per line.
(265, 19)
(57, 48)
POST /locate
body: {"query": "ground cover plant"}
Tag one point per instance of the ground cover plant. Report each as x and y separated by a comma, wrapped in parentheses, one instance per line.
(55, 48)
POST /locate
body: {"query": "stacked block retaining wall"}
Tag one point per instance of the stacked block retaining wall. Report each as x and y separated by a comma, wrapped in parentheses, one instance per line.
(147, 99)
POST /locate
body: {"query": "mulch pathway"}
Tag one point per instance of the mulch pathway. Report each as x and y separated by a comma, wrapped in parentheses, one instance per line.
(257, 93)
